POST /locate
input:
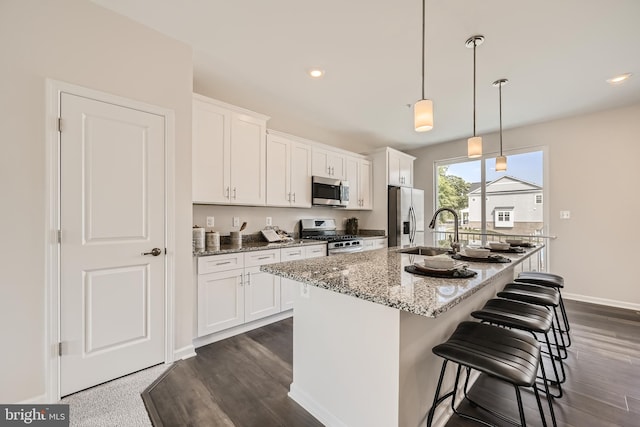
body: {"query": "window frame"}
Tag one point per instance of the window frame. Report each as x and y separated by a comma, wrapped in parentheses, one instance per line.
(484, 160)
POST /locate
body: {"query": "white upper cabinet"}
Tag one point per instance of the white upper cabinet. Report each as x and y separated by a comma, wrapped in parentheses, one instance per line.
(352, 176)
(358, 173)
(366, 184)
(229, 154)
(400, 168)
(211, 157)
(329, 164)
(288, 171)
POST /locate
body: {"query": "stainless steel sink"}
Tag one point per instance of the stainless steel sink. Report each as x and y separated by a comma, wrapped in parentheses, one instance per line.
(424, 250)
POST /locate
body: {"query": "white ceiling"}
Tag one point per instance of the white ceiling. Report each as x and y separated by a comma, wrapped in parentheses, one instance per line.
(556, 54)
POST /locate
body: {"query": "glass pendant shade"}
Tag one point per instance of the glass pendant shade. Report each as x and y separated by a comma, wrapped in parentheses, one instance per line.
(474, 147)
(501, 164)
(423, 115)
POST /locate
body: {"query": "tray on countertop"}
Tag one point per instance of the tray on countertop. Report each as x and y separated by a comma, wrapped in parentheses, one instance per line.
(523, 245)
(454, 273)
(490, 258)
(511, 250)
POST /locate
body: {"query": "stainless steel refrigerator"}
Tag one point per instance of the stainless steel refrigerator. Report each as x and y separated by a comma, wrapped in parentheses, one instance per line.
(405, 216)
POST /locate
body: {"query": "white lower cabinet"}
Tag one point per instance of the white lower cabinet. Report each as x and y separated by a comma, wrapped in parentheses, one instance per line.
(261, 294)
(233, 291)
(289, 287)
(220, 301)
(371, 244)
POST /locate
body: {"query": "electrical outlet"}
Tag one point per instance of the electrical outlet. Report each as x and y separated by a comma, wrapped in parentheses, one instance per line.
(236, 221)
(210, 221)
(269, 222)
(565, 214)
(304, 290)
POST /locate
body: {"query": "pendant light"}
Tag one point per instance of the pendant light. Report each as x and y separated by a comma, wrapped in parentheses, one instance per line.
(474, 144)
(501, 161)
(423, 109)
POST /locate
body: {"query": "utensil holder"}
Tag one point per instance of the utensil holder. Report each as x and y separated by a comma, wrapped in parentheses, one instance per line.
(236, 238)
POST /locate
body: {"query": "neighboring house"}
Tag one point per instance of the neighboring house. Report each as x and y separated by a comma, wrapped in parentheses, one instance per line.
(514, 206)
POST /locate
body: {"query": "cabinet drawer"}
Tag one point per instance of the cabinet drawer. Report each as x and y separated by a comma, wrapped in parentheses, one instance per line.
(261, 257)
(290, 254)
(315, 251)
(215, 263)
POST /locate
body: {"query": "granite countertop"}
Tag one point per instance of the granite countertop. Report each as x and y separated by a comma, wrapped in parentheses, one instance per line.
(258, 246)
(379, 276)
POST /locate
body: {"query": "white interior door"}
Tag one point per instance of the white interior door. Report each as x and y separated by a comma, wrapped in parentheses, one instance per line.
(112, 188)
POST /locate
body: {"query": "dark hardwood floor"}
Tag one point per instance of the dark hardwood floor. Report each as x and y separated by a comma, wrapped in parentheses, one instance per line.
(603, 375)
(243, 381)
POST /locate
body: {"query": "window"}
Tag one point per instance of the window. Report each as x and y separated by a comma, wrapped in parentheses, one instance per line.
(501, 203)
(503, 218)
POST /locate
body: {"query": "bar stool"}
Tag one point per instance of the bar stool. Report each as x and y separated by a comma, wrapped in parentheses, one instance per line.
(506, 354)
(542, 296)
(527, 317)
(553, 281)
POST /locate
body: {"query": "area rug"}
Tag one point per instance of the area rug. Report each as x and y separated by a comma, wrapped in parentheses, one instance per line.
(115, 403)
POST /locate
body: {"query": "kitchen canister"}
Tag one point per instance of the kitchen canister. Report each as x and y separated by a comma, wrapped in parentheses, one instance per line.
(213, 240)
(236, 238)
(198, 238)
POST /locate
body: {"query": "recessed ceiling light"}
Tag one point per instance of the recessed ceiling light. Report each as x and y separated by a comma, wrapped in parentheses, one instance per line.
(618, 79)
(316, 73)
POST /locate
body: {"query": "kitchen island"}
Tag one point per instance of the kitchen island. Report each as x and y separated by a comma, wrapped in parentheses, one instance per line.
(364, 329)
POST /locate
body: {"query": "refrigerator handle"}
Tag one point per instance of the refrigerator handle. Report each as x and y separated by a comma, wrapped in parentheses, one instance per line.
(412, 225)
(415, 223)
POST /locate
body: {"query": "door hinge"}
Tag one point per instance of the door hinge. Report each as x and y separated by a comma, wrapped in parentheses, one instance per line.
(59, 124)
(60, 349)
(59, 236)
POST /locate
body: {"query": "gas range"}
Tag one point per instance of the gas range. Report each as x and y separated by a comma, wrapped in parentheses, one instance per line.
(324, 229)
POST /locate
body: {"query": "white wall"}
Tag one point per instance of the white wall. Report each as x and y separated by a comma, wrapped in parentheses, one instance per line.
(592, 172)
(77, 42)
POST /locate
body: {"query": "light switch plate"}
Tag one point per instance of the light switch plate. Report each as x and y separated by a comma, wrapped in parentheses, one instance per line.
(236, 221)
(565, 214)
(210, 221)
(269, 221)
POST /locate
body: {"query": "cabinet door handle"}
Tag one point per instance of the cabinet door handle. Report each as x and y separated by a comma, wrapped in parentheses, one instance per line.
(288, 197)
(227, 196)
(242, 280)
(234, 193)
(249, 279)
(223, 263)
(294, 197)
(264, 257)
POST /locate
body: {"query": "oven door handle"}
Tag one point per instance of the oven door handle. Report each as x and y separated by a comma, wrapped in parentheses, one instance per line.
(345, 250)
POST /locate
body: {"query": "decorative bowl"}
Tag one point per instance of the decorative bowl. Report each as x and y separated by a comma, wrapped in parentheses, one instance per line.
(476, 252)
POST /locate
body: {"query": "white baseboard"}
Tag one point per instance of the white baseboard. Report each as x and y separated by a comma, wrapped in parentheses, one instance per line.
(602, 301)
(184, 353)
(318, 411)
(240, 329)
(36, 400)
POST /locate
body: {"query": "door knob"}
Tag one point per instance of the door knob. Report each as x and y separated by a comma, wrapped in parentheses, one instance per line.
(154, 252)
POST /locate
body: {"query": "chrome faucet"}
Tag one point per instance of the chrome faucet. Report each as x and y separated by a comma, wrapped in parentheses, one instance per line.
(455, 245)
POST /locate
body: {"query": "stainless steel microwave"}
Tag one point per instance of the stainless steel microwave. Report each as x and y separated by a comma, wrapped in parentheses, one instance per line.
(329, 192)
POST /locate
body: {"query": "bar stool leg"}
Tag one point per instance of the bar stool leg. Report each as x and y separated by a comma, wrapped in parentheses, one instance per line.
(436, 400)
(549, 396)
